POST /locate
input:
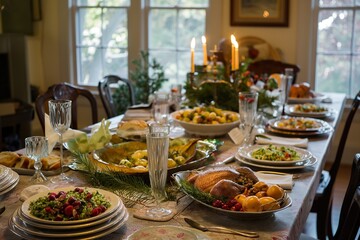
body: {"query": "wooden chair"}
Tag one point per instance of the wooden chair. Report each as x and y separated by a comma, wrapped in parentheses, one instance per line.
(65, 91)
(349, 221)
(106, 93)
(272, 66)
(323, 200)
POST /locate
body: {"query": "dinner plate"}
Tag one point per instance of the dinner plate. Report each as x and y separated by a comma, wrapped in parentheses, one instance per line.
(246, 152)
(167, 232)
(11, 187)
(318, 97)
(114, 200)
(325, 130)
(182, 176)
(3, 171)
(20, 229)
(290, 110)
(247, 162)
(277, 124)
(11, 179)
(120, 211)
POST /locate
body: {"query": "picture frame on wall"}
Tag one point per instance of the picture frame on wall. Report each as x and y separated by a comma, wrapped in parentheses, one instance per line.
(259, 13)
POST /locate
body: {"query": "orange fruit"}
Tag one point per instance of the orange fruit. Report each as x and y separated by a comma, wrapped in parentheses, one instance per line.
(275, 191)
(269, 203)
(252, 204)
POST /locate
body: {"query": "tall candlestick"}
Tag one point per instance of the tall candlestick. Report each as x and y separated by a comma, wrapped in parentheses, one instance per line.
(233, 40)
(192, 46)
(236, 55)
(205, 61)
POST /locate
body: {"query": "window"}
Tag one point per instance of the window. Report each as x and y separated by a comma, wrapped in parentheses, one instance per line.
(103, 28)
(338, 46)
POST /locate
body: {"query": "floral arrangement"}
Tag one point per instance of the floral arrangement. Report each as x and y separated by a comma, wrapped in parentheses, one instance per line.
(222, 90)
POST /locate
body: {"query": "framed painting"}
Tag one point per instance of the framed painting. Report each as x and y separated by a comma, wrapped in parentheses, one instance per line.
(259, 13)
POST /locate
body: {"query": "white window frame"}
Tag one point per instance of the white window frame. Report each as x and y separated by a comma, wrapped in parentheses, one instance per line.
(138, 32)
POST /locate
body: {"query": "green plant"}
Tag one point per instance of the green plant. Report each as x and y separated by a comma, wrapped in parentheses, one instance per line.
(147, 78)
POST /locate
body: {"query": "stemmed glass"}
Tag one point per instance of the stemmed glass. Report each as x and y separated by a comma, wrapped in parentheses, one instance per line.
(157, 141)
(36, 147)
(285, 87)
(247, 110)
(60, 119)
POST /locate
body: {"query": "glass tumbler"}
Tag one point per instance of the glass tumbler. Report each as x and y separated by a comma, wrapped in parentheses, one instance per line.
(161, 107)
(247, 110)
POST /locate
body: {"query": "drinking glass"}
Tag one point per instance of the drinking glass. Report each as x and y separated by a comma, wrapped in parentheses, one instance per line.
(285, 87)
(175, 96)
(60, 119)
(157, 141)
(161, 107)
(247, 110)
(36, 147)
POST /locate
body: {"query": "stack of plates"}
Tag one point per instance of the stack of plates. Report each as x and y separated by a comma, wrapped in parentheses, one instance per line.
(244, 156)
(25, 225)
(8, 179)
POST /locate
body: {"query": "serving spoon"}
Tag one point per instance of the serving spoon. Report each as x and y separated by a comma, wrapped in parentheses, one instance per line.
(220, 229)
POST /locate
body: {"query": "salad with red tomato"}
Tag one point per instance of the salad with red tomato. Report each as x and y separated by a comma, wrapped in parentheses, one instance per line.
(72, 205)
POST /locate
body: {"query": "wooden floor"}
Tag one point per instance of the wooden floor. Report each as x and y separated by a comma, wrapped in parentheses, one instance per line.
(341, 183)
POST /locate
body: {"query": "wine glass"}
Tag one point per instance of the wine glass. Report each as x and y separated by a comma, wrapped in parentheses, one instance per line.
(247, 110)
(157, 141)
(161, 107)
(36, 147)
(60, 119)
(285, 87)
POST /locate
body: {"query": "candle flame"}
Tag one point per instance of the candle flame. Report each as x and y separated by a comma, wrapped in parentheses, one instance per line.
(236, 44)
(233, 39)
(203, 39)
(192, 44)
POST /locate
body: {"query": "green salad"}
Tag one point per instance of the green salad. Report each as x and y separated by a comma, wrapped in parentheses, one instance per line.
(75, 204)
(275, 153)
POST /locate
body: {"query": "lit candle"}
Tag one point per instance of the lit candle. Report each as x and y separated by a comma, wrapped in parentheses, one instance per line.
(203, 39)
(236, 55)
(233, 40)
(192, 45)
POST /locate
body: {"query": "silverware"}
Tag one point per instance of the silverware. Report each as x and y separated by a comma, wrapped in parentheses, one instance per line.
(294, 176)
(2, 209)
(220, 229)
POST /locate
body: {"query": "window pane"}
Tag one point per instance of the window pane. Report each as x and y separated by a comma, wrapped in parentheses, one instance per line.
(91, 65)
(332, 73)
(334, 30)
(179, 3)
(168, 60)
(162, 29)
(115, 32)
(335, 3)
(357, 32)
(194, 20)
(115, 63)
(97, 3)
(89, 27)
(355, 84)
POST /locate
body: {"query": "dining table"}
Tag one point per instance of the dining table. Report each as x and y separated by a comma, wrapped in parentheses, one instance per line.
(285, 224)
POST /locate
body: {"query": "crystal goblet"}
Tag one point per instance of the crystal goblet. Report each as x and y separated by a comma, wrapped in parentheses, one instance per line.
(60, 119)
(247, 110)
(36, 147)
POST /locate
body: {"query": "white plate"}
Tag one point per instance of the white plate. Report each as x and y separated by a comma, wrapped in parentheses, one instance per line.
(167, 232)
(246, 152)
(290, 110)
(3, 171)
(120, 211)
(325, 130)
(182, 176)
(318, 97)
(11, 179)
(114, 200)
(11, 187)
(22, 230)
(309, 163)
(274, 123)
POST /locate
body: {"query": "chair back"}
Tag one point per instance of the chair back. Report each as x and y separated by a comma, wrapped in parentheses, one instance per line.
(65, 91)
(106, 93)
(350, 210)
(271, 66)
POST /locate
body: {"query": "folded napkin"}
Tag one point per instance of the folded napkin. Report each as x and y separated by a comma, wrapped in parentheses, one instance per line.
(137, 114)
(53, 137)
(296, 142)
(283, 180)
(32, 190)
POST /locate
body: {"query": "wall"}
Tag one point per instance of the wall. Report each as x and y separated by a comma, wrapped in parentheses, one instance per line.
(48, 49)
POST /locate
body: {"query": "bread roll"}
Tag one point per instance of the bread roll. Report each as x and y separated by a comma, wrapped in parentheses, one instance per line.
(9, 159)
(132, 125)
(51, 162)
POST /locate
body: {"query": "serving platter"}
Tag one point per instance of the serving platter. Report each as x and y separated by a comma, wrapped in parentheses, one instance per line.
(179, 177)
(291, 110)
(246, 152)
(310, 162)
(322, 131)
(317, 98)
